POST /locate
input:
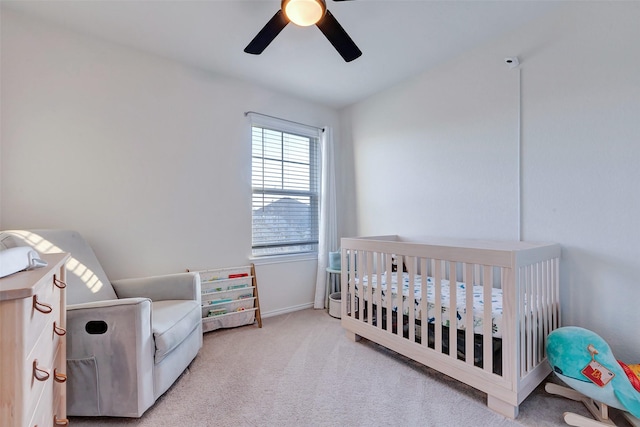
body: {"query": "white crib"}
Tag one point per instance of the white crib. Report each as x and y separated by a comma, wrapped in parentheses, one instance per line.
(459, 285)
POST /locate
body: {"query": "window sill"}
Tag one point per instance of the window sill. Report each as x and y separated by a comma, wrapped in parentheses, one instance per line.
(280, 259)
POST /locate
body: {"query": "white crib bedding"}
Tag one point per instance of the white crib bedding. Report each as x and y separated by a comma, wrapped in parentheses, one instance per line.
(478, 301)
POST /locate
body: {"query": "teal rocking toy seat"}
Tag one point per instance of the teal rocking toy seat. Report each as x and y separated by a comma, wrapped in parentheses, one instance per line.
(585, 362)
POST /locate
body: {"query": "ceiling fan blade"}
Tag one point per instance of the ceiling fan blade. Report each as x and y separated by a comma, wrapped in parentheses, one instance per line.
(267, 34)
(338, 37)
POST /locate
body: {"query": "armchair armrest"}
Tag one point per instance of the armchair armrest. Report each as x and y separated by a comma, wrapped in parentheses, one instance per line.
(104, 304)
(110, 357)
(158, 288)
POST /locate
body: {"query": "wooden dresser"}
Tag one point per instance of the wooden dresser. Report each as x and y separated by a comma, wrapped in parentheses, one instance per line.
(33, 346)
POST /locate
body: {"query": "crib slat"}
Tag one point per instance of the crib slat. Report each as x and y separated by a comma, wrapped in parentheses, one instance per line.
(411, 298)
(522, 320)
(531, 313)
(351, 283)
(530, 299)
(526, 283)
(556, 280)
(537, 316)
(424, 317)
(487, 319)
(546, 301)
(542, 310)
(369, 297)
(377, 300)
(546, 304)
(533, 316)
(388, 295)
(399, 295)
(437, 307)
(364, 269)
(552, 295)
(453, 311)
(508, 348)
(347, 287)
(469, 280)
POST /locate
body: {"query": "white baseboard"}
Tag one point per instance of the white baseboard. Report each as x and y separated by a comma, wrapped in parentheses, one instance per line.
(286, 310)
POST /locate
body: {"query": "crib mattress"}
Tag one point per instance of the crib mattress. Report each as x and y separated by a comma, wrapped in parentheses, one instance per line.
(444, 306)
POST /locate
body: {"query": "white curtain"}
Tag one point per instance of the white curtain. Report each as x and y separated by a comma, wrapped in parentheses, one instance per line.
(328, 231)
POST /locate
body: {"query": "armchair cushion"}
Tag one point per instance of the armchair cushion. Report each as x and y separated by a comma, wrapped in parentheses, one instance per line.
(173, 321)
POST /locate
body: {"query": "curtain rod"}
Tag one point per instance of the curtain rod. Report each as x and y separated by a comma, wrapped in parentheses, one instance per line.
(246, 113)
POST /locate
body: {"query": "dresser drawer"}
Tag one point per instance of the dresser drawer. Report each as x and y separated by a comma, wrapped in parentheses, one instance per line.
(60, 382)
(52, 399)
(41, 311)
(40, 371)
(42, 415)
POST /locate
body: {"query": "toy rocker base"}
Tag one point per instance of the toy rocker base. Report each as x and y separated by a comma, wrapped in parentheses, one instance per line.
(599, 410)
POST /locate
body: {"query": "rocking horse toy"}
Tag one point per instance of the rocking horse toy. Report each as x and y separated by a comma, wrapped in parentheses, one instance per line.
(584, 362)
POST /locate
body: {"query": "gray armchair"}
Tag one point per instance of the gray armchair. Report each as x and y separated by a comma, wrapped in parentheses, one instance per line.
(127, 340)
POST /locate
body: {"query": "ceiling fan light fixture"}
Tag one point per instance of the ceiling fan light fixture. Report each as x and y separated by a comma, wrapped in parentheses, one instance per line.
(304, 12)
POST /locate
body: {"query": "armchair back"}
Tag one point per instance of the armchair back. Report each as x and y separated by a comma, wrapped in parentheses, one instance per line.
(86, 280)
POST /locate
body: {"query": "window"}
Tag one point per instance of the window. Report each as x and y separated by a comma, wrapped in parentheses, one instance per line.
(285, 189)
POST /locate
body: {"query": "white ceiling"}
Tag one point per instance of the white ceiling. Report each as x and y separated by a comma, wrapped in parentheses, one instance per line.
(398, 38)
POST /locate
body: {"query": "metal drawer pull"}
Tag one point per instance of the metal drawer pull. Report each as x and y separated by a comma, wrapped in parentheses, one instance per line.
(59, 283)
(60, 421)
(39, 374)
(40, 306)
(58, 377)
(58, 330)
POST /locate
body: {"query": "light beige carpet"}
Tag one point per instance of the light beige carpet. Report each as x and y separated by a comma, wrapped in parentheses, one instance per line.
(301, 370)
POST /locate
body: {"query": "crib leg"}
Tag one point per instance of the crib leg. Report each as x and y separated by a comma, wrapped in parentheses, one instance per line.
(502, 407)
(353, 336)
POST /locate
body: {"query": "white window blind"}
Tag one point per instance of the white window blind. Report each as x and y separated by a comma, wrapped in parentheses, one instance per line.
(285, 183)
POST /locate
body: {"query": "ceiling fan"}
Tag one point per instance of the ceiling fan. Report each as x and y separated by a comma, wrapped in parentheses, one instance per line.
(305, 13)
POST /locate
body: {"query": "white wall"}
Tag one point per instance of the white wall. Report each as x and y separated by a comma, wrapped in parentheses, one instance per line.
(455, 134)
(147, 158)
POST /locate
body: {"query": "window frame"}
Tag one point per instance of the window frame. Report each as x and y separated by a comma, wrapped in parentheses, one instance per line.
(285, 127)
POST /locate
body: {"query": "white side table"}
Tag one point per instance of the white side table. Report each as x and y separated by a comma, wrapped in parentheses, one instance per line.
(333, 282)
